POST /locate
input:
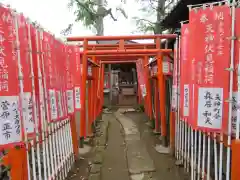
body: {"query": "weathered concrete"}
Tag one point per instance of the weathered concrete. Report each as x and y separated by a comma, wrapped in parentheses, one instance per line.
(142, 176)
(98, 158)
(77, 120)
(138, 158)
(161, 149)
(86, 149)
(164, 164)
(101, 135)
(94, 177)
(95, 168)
(100, 145)
(115, 163)
(130, 129)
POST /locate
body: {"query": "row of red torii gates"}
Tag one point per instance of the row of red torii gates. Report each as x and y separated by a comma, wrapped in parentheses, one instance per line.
(101, 54)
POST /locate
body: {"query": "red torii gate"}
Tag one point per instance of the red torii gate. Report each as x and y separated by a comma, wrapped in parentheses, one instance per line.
(102, 54)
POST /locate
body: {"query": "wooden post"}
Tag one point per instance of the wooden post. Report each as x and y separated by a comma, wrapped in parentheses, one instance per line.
(83, 94)
(16, 159)
(94, 91)
(101, 88)
(155, 86)
(162, 94)
(172, 132)
(235, 173)
(148, 96)
(74, 136)
(90, 88)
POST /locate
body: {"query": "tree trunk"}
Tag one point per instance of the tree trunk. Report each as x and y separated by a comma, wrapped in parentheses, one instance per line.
(99, 21)
(100, 32)
(160, 14)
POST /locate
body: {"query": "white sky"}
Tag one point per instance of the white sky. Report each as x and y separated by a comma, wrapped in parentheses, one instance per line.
(55, 16)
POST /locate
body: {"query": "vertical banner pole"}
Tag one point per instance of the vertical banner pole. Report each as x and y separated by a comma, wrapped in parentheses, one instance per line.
(177, 47)
(30, 51)
(231, 69)
(178, 95)
(208, 156)
(185, 144)
(102, 87)
(47, 128)
(199, 155)
(173, 112)
(20, 78)
(192, 154)
(89, 100)
(203, 156)
(195, 155)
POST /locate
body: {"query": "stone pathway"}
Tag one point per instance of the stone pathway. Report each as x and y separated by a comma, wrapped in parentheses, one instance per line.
(124, 150)
(140, 164)
(164, 163)
(115, 164)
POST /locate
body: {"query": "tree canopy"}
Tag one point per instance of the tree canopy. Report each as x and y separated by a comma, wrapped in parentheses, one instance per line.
(91, 13)
(152, 14)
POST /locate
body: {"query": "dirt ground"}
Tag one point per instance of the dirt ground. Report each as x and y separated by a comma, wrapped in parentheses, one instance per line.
(114, 166)
(164, 164)
(80, 170)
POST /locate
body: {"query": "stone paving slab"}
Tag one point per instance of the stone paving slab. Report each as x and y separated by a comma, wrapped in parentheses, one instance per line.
(142, 176)
(94, 176)
(95, 168)
(130, 129)
(139, 161)
(101, 135)
(115, 163)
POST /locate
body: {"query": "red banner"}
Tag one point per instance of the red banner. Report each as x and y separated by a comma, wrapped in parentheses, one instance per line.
(37, 68)
(175, 78)
(70, 66)
(185, 85)
(77, 79)
(10, 117)
(140, 74)
(210, 52)
(26, 64)
(49, 75)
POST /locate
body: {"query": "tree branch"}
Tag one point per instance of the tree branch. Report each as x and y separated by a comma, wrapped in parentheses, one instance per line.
(111, 14)
(86, 8)
(146, 20)
(152, 5)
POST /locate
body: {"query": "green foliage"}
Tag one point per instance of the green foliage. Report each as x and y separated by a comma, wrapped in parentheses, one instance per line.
(89, 12)
(85, 11)
(144, 25)
(152, 11)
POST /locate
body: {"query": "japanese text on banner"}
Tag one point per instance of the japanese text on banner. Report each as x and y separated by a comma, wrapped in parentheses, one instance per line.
(211, 58)
(175, 77)
(10, 125)
(185, 85)
(140, 74)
